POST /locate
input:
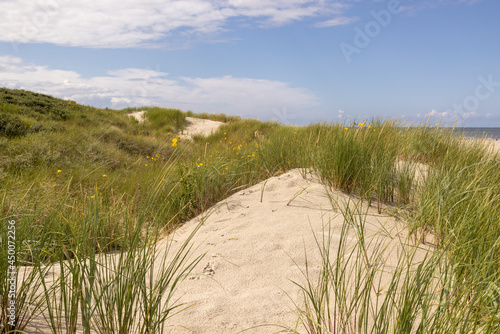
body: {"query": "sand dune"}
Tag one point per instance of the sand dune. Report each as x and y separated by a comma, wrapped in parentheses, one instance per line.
(138, 115)
(194, 126)
(254, 250)
(198, 126)
(255, 244)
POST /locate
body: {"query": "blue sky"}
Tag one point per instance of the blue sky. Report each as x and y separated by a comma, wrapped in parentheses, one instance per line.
(295, 61)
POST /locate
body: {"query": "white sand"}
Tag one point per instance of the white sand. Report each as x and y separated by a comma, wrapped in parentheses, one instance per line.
(138, 115)
(492, 145)
(198, 126)
(194, 126)
(495, 146)
(254, 250)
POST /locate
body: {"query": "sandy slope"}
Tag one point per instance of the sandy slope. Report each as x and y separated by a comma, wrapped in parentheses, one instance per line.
(254, 250)
(495, 146)
(138, 115)
(198, 126)
(194, 126)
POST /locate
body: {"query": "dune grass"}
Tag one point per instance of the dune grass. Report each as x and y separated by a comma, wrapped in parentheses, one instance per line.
(214, 117)
(164, 120)
(356, 293)
(81, 181)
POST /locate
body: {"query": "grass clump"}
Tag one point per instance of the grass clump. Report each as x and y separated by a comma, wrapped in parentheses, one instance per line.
(163, 120)
(11, 126)
(359, 293)
(214, 117)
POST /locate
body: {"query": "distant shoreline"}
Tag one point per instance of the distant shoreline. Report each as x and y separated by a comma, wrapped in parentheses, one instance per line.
(478, 133)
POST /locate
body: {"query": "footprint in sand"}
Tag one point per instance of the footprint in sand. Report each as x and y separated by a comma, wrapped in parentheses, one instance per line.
(209, 269)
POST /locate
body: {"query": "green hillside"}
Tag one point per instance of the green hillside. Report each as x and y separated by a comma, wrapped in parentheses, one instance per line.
(41, 132)
(58, 158)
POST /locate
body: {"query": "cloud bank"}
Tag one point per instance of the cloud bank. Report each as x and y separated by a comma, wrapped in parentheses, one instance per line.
(454, 117)
(414, 7)
(132, 23)
(143, 87)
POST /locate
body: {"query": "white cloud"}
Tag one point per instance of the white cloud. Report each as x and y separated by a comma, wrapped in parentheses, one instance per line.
(471, 115)
(434, 113)
(453, 115)
(444, 114)
(426, 4)
(135, 87)
(336, 21)
(134, 23)
(10, 60)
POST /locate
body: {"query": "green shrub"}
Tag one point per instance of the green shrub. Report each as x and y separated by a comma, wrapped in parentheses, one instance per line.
(165, 120)
(10, 108)
(12, 126)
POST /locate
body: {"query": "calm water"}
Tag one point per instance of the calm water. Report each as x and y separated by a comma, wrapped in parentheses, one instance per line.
(472, 133)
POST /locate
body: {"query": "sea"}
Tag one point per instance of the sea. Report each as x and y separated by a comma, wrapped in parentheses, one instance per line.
(478, 133)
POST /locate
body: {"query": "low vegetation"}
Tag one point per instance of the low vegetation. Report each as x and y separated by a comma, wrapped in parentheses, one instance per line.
(80, 181)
